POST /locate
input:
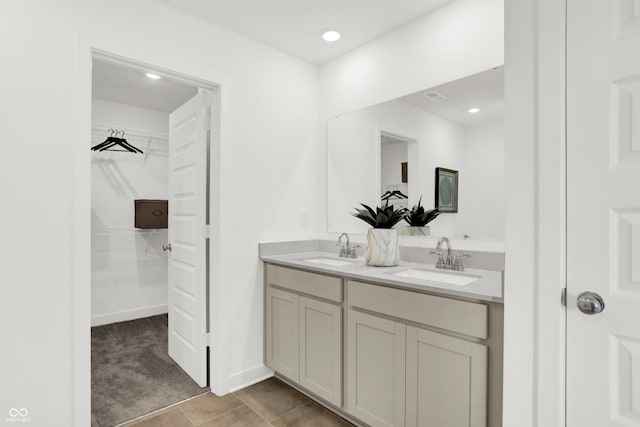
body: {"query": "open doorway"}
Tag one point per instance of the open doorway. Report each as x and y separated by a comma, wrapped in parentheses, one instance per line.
(149, 199)
(394, 169)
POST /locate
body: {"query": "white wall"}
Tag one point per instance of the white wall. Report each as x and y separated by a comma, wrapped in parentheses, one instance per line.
(534, 352)
(481, 198)
(269, 161)
(459, 39)
(128, 266)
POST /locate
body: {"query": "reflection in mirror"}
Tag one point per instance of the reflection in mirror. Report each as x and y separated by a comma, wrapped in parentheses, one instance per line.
(394, 154)
(395, 147)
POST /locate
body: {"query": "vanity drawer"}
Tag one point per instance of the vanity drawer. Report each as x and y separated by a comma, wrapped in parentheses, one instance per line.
(319, 285)
(463, 317)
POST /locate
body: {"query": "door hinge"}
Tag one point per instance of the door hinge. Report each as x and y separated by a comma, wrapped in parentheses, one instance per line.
(563, 297)
(206, 231)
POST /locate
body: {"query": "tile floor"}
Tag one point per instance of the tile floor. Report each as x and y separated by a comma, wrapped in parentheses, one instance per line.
(268, 403)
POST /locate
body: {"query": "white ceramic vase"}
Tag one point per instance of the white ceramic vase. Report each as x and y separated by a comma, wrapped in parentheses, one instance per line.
(417, 231)
(382, 247)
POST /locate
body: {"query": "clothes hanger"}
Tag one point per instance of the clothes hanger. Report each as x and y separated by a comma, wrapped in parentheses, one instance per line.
(400, 195)
(126, 144)
(393, 193)
(105, 142)
(389, 193)
(112, 141)
(386, 195)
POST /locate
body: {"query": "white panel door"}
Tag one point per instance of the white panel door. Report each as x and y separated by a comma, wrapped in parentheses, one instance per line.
(603, 208)
(187, 258)
(446, 381)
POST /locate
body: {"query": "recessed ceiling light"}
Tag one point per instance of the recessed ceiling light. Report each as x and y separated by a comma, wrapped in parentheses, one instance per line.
(473, 110)
(331, 36)
(153, 76)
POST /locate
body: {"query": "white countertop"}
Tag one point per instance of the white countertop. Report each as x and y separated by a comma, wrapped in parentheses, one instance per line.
(489, 287)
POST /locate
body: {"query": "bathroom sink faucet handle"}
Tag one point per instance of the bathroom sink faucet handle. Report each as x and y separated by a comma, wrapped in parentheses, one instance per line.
(458, 265)
(345, 251)
(440, 263)
(354, 252)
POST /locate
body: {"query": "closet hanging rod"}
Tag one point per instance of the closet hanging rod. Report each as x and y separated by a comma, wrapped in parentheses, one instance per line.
(98, 129)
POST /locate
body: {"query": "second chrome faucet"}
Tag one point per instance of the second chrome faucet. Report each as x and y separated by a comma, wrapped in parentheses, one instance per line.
(346, 251)
(447, 263)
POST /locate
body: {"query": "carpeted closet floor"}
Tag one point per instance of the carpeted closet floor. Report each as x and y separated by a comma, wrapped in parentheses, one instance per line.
(132, 373)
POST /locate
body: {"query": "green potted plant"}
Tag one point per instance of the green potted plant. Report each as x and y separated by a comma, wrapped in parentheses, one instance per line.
(418, 218)
(382, 240)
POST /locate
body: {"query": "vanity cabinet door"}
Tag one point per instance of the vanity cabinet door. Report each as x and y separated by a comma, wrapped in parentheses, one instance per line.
(376, 370)
(321, 349)
(446, 381)
(282, 332)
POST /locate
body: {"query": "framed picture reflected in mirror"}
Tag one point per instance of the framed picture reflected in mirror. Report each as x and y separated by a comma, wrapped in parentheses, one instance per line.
(446, 190)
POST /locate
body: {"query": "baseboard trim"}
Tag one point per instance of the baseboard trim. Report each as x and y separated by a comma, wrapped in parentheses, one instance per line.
(123, 316)
(249, 377)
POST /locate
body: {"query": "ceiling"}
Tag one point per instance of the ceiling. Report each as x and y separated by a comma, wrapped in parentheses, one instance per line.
(295, 26)
(484, 90)
(131, 86)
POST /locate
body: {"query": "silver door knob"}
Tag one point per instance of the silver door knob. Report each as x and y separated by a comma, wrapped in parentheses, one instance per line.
(590, 303)
(166, 247)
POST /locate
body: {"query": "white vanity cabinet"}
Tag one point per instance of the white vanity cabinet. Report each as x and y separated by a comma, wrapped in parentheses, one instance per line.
(283, 333)
(411, 358)
(304, 330)
(376, 369)
(446, 381)
(415, 359)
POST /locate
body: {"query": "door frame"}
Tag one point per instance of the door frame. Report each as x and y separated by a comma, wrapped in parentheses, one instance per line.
(80, 317)
(535, 267)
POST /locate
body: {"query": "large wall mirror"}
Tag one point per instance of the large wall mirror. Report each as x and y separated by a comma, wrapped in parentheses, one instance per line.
(397, 145)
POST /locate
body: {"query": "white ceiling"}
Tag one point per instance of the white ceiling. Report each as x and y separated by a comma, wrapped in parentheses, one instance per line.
(484, 90)
(118, 83)
(295, 26)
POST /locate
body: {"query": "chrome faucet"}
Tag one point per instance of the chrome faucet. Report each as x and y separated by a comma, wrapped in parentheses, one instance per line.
(346, 251)
(448, 263)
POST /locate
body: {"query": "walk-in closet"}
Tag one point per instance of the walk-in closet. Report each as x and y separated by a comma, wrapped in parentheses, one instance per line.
(132, 372)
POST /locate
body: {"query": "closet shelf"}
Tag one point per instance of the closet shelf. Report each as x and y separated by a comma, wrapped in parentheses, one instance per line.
(124, 231)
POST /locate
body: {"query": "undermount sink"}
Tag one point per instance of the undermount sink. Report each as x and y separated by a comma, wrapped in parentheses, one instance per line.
(451, 278)
(330, 261)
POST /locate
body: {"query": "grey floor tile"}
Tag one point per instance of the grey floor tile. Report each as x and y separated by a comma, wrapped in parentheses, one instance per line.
(240, 417)
(172, 418)
(271, 398)
(310, 415)
(208, 406)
